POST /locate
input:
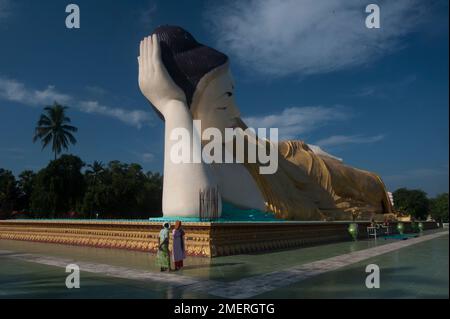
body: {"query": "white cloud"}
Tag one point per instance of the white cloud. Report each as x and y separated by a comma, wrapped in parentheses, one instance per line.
(143, 156)
(366, 91)
(96, 90)
(133, 117)
(294, 121)
(147, 16)
(15, 91)
(337, 140)
(386, 89)
(5, 8)
(148, 157)
(281, 37)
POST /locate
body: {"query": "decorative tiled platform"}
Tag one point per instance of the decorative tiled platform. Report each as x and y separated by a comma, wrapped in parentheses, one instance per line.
(202, 239)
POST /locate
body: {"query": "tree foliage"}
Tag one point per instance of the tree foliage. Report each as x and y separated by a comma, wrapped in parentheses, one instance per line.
(439, 208)
(413, 202)
(122, 189)
(54, 127)
(25, 185)
(58, 188)
(8, 193)
(67, 188)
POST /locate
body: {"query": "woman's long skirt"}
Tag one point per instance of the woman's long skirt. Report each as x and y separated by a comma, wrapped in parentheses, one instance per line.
(163, 257)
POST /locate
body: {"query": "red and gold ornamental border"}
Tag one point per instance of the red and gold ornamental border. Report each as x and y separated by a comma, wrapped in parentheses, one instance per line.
(202, 239)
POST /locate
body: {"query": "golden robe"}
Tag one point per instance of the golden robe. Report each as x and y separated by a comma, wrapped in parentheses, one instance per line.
(308, 186)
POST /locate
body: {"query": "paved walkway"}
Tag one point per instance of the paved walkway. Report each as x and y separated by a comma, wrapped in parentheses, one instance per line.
(242, 288)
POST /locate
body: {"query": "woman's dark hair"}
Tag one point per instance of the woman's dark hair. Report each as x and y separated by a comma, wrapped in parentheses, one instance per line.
(186, 60)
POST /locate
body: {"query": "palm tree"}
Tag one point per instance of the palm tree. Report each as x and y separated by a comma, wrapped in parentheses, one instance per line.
(53, 126)
(95, 169)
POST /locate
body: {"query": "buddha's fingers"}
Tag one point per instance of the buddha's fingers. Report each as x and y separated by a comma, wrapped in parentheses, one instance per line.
(140, 70)
(141, 62)
(141, 54)
(149, 54)
(156, 53)
(144, 56)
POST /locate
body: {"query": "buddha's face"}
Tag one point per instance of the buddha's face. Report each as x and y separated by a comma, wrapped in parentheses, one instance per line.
(214, 104)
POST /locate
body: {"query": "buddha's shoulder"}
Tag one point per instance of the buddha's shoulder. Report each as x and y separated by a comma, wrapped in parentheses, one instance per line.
(291, 147)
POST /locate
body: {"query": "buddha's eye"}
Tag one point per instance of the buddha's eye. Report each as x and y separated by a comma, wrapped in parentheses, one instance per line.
(222, 108)
(229, 94)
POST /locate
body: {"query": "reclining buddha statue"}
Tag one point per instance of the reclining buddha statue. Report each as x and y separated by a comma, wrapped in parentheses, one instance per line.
(186, 81)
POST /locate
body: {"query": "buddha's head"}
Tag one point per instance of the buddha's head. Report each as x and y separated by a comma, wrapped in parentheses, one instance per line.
(203, 74)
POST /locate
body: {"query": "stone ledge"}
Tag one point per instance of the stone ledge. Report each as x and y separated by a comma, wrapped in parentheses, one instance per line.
(205, 239)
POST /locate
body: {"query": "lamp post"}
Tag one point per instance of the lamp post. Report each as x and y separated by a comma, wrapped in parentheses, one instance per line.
(400, 228)
(353, 230)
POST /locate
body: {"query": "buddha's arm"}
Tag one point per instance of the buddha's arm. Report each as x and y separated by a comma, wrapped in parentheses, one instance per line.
(182, 181)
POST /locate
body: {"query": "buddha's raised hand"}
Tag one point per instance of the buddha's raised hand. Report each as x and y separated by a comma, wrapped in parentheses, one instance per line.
(154, 80)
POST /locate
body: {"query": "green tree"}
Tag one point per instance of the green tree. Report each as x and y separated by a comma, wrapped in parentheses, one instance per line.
(151, 196)
(53, 126)
(59, 188)
(95, 169)
(116, 190)
(25, 187)
(121, 190)
(96, 194)
(439, 208)
(8, 193)
(414, 202)
(125, 184)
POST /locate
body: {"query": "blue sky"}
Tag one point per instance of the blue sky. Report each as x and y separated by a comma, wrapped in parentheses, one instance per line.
(376, 98)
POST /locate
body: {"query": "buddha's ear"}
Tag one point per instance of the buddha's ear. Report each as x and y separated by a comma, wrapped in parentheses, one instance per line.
(203, 84)
(196, 97)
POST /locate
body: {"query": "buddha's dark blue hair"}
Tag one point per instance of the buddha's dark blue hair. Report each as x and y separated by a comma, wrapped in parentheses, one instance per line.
(186, 60)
